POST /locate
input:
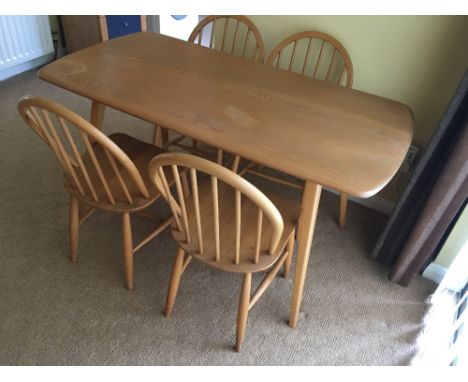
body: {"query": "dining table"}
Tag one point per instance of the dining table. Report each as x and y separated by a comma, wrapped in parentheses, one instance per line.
(326, 135)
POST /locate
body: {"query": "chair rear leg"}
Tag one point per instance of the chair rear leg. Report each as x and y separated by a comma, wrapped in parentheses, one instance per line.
(219, 156)
(127, 247)
(164, 136)
(288, 261)
(74, 228)
(343, 209)
(177, 270)
(243, 310)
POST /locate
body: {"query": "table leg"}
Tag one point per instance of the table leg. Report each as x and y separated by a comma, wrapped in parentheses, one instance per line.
(343, 208)
(310, 203)
(97, 114)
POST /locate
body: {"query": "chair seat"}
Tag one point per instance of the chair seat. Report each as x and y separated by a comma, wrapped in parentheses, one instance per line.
(289, 210)
(141, 154)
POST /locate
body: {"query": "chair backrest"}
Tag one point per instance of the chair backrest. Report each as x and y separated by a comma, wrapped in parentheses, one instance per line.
(236, 35)
(104, 174)
(314, 54)
(173, 164)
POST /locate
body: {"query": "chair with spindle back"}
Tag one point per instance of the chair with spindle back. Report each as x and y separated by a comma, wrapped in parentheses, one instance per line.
(228, 224)
(319, 56)
(100, 172)
(233, 35)
(314, 54)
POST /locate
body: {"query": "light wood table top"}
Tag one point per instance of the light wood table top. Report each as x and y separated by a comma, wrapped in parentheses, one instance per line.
(337, 137)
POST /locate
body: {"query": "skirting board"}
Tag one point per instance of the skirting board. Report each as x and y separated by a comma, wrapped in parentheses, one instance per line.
(435, 273)
(376, 203)
(14, 70)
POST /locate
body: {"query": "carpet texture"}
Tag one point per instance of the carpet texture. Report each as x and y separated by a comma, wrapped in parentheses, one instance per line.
(53, 312)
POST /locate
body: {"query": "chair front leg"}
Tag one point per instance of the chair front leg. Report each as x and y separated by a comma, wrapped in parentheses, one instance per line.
(127, 246)
(74, 228)
(174, 282)
(244, 303)
(288, 261)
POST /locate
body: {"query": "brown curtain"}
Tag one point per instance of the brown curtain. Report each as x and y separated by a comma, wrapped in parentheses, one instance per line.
(446, 200)
(433, 198)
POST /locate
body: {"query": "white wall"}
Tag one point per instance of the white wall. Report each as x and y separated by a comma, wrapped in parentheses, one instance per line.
(180, 29)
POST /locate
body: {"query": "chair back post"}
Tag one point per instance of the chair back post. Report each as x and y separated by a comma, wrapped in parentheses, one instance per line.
(317, 62)
(172, 163)
(69, 135)
(230, 34)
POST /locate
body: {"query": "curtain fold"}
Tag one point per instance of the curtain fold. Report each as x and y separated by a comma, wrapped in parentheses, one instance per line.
(438, 215)
(433, 197)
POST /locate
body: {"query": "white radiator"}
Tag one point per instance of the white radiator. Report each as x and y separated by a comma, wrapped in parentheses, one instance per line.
(25, 43)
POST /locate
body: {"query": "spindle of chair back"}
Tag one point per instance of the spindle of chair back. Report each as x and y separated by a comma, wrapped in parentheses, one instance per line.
(89, 175)
(235, 35)
(314, 54)
(182, 207)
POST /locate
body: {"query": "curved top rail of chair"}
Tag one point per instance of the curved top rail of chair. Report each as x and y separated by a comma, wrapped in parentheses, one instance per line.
(243, 19)
(222, 173)
(318, 35)
(28, 101)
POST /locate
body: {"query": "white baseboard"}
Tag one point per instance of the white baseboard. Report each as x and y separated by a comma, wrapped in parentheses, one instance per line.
(435, 272)
(14, 70)
(376, 203)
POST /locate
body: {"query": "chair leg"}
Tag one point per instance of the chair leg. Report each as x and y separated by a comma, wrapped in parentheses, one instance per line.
(74, 228)
(288, 261)
(235, 163)
(243, 310)
(164, 136)
(127, 246)
(174, 281)
(157, 138)
(219, 156)
(343, 209)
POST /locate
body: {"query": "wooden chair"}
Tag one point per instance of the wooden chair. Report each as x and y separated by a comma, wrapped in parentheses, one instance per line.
(234, 35)
(111, 174)
(227, 224)
(322, 57)
(314, 54)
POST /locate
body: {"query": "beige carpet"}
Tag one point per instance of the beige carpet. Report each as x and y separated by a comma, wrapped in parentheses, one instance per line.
(53, 312)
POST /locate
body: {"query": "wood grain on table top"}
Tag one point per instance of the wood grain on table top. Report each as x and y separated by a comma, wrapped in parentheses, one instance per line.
(338, 137)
